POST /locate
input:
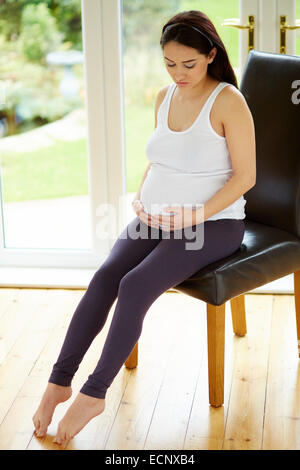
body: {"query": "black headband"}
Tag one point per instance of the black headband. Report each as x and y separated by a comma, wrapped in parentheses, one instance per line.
(191, 26)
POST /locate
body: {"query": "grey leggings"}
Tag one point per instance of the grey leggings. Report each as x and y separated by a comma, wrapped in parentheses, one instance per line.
(137, 271)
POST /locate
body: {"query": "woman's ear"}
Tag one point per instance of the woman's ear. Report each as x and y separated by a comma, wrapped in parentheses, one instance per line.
(212, 54)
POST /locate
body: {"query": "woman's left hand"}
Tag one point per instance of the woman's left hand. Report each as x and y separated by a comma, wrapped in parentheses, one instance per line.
(183, 217)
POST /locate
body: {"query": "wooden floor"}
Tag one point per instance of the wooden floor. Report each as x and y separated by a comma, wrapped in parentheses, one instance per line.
(163, 403)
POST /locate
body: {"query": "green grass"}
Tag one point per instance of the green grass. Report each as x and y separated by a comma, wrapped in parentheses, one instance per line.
(56, 171)
(139, 124)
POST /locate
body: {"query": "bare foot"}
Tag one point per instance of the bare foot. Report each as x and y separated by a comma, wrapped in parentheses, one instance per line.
(82, 410)
(53, 395)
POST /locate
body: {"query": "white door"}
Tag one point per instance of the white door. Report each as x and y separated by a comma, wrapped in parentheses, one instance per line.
(267, 25)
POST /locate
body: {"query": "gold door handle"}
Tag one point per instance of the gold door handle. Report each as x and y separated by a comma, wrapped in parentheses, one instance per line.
(283, 27)
(234, 22)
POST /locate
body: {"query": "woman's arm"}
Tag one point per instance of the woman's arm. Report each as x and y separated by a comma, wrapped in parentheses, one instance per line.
(240, 137)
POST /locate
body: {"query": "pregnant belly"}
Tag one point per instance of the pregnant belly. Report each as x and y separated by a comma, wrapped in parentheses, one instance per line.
(165, 187)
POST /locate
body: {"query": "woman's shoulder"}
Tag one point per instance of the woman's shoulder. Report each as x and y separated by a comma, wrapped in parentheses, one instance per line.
(231, 92)
(230, 100)
(159, 99)
(161, 94)
(230, 96)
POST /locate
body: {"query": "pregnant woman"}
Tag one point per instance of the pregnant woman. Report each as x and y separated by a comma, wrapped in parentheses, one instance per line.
(201, 162)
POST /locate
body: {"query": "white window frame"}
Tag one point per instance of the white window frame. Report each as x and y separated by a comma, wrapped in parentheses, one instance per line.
(101, 33)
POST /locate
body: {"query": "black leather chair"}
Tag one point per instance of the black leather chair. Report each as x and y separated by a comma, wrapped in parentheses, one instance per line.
(271, 245)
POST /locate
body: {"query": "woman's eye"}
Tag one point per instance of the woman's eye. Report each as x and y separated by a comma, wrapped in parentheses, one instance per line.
(186, 66)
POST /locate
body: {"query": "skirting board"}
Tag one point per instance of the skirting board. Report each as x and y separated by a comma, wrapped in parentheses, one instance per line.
(58, 278)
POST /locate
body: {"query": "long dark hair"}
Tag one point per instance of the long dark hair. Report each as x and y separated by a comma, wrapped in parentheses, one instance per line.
(220, 68)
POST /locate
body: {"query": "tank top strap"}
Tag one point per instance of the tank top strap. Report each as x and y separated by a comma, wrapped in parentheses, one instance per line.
(164, 107)
(211, 99)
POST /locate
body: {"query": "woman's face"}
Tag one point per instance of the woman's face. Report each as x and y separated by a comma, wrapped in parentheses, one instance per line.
(186, 64)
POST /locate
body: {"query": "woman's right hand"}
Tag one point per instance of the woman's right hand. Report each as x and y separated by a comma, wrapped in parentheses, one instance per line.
(137, 206)
(139, 209)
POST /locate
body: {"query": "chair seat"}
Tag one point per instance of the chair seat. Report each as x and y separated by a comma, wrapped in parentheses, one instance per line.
(266, 254)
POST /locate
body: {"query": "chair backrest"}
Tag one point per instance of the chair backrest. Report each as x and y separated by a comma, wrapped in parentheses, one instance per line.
(271, 86)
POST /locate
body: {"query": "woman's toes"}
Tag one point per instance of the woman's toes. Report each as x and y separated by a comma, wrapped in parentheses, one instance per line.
(41, 422)
(42, 431)
(53, 395)
(59, 441)
(60, 435)
(36, 423)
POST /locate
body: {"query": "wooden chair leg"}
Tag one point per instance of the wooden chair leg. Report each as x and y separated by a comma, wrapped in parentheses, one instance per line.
(238, 315)
(297, 305)
(132, 360)
(216, 345)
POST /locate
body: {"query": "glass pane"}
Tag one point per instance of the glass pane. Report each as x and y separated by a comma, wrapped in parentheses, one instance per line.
(44, 167)
(144, 69)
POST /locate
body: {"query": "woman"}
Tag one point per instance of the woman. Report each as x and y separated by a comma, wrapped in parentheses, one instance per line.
(202, 154)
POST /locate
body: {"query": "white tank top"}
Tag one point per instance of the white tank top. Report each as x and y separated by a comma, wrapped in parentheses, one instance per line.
(190, 166)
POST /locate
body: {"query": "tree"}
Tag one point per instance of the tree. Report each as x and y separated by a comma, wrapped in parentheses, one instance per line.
(39, 33)
(67, 14)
